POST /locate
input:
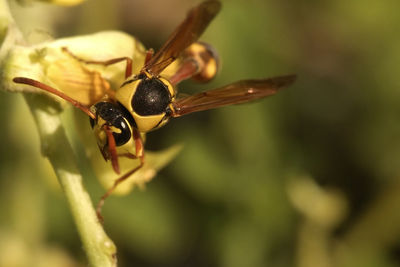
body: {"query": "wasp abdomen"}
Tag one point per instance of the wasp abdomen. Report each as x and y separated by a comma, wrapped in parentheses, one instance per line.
(206, 59)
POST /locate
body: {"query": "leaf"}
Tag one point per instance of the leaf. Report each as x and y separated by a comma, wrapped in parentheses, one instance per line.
(154, 161)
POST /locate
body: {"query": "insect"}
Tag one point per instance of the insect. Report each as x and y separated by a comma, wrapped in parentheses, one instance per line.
(147, 100)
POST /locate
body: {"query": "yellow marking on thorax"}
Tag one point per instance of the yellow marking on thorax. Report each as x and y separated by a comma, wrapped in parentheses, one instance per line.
(147, 123)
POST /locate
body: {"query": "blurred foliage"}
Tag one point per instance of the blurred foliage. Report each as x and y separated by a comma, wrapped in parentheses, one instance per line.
(309, 177)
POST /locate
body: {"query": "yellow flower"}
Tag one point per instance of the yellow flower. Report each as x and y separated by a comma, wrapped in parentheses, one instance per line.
(52, 65)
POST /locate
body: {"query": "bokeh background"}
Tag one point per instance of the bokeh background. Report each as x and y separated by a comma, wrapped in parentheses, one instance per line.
(309, 177)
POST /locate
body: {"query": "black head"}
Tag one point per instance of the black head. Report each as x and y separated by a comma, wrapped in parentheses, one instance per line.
(116, 118)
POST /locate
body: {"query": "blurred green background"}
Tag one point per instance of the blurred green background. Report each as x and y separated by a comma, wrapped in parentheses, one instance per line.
(309, 177)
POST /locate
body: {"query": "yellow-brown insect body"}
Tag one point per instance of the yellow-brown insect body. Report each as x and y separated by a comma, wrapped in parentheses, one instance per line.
(147, 99)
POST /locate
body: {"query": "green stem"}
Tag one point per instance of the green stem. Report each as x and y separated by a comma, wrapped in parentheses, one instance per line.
(99, 248)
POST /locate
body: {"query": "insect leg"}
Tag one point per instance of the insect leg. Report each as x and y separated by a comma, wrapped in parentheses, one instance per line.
(112, 150)
(139, 154)
(128, 69)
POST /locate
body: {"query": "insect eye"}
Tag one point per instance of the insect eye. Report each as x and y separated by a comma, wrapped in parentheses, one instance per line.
(124, 134)
(151, 97)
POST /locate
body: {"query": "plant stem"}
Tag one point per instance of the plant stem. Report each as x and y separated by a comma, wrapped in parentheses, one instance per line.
(99, 248)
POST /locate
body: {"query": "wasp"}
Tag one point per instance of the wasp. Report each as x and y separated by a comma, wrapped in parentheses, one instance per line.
(147, 100)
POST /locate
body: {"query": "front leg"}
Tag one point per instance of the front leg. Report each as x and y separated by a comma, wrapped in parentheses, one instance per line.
(128, 69)
(140, 155)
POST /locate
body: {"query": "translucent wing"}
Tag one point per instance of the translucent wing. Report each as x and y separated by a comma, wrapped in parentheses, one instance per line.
(187, 33)
(235, 93)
